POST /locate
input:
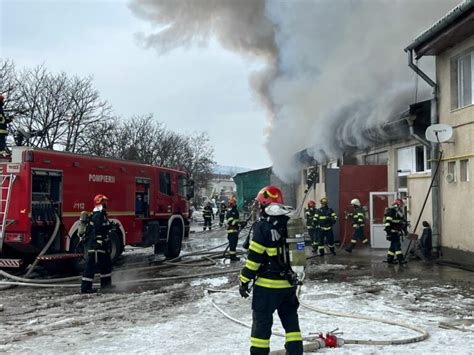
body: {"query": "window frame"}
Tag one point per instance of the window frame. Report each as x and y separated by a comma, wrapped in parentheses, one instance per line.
(466, 165)
(457, 99)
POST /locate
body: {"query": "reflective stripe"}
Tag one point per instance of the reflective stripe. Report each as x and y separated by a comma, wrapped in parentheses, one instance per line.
(232, 230)
(258, 248)
(321, 247)
(293, 336)
(272, 251)
(365, 241)
(331, 245)
(387, 224)
(243, 278)
(269, 283)
(388, 218)
(326, 228)
(355, 225)
(398, 252)
(353, 241)
(3, 131)
(87, 279)
(390, 252)
(251, 265)
(105, 275)
(232, 252)
(260, 343)
(322, 217)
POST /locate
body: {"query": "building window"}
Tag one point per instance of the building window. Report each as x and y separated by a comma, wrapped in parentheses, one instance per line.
(464, 173)
(413, 159)
(451, 177)
(462, 77)
(376, 159)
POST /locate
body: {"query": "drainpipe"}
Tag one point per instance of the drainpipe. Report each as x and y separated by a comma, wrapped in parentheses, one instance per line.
(410, 120)
(435, 191)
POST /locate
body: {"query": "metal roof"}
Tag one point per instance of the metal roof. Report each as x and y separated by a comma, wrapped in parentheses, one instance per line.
(451, 19)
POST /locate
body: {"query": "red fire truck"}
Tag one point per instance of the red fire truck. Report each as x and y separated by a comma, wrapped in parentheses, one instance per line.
(148, 203)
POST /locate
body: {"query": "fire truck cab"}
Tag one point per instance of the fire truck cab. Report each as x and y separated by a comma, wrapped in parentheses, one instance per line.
(41, 188)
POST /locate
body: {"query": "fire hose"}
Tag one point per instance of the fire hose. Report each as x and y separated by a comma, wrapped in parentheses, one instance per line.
(35, 262)
(330, 339)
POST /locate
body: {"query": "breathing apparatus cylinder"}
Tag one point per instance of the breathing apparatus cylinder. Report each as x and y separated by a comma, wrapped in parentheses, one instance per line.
(296, 245)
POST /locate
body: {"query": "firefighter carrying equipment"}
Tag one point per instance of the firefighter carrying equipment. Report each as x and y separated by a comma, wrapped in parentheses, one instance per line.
(358, 223)
(97, 246)
(395, 226)
(233, 228)
(325, 218)
(268, 266)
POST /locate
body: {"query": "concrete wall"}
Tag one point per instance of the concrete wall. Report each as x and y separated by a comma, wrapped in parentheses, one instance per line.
(457, 206)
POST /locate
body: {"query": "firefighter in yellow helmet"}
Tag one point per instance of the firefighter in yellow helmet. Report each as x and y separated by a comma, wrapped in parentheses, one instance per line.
(97, 246)
(274, 281)
(325, 218)
(358, 222)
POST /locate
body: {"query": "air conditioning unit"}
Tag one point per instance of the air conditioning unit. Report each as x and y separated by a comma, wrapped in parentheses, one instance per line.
(450, 178)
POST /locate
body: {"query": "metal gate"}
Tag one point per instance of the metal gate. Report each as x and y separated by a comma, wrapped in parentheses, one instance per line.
(379, 201)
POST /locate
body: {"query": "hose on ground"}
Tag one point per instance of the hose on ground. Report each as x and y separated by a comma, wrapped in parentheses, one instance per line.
(423, 333)
(42, 252)
(139, 281)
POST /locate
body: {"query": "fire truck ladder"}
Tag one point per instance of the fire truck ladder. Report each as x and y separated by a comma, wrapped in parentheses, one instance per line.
(5, 203)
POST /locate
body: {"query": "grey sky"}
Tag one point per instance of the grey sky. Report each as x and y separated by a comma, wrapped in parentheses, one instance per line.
(193, 89)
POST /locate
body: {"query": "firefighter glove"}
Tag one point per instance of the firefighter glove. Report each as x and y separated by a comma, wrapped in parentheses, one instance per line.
(246, 244)
(244, 289)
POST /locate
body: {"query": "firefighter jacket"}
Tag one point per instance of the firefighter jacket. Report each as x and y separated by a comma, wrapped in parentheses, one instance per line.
(394, 221)
(222, 210)
(232, 218)
(98, 237)
(3, 122)
(309, 216)
(358, 217)
(208, 212)
(268, 261)
(325, 217)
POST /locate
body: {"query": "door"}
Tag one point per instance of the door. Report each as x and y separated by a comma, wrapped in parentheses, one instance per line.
(379, 201)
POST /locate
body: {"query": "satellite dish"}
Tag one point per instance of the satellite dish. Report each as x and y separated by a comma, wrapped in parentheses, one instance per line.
(438, 133)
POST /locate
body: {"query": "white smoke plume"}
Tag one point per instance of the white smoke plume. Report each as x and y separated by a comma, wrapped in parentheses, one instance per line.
(334, 67)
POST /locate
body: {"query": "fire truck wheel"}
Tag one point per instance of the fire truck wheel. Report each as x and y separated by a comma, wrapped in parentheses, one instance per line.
(174, 242)
(116, 246)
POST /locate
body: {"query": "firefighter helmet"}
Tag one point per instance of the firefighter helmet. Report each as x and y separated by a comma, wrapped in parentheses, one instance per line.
(324, 201)
(269, 194)
(98, 199)
(398, 202)
(355, 202)
(311, 203)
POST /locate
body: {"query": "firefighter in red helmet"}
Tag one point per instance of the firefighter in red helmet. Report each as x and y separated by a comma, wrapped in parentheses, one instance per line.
(395, 225)
(274, 281)
(233, 228)
(309, 213)
(97, 247)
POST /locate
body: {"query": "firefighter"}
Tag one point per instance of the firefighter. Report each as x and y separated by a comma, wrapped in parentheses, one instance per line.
(222, 212)
(311, 225)
(395, 224)
(233, 228)
(274, 280)
(208, 215)
(358, 218)
(325, 218)
(98, 248)
(4, 121)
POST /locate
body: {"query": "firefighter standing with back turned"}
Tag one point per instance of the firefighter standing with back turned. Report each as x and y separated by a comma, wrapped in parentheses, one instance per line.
(222, 212)
(312, 227)
(233, 227)
(325, 218)
(98, 248)
(275, 282)
(395, 224)
(208, 215)
(358, 219)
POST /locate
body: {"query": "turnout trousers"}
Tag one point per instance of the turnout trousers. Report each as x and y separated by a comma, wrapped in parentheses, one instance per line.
(101, 258)
(265, 302)
(207, 223)
(221, 219)
(358, 234)
(395, 249)
(326, 236)
(233, 238)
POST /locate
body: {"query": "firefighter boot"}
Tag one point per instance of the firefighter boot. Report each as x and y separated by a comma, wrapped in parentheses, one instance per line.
(315, 247)
(390, 258)
(321, 250)
(351, 247)
(332, 249)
